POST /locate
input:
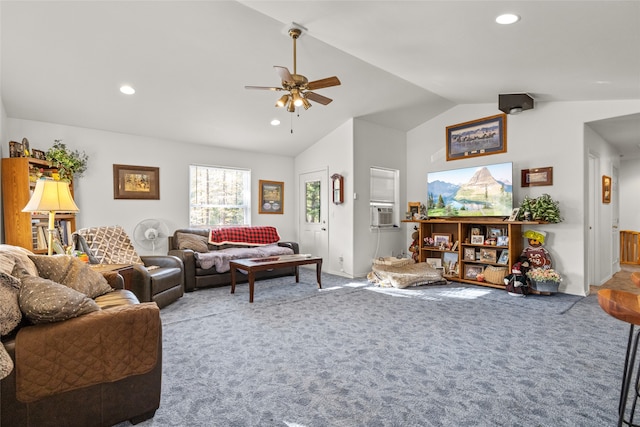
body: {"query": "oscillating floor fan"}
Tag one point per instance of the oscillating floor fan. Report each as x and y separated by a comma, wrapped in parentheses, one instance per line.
(151, 234)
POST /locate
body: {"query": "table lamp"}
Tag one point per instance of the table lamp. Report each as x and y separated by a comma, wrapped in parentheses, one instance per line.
(51, 196)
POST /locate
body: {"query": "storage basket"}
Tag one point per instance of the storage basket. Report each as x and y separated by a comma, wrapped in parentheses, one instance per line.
(495, 275)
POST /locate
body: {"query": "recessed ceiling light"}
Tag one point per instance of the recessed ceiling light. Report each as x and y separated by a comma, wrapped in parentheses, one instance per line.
(275, 122)
(507, 18)
(127, 90)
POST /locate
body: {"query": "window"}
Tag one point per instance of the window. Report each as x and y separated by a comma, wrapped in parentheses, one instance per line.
(384, 199)
(219, 196)
(312, 205)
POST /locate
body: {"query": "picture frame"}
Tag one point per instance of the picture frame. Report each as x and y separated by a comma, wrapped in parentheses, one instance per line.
(271, 197)
(606, 189)
(477, 239)
(434, 262)
(503, 241)
(475, 138)
(494, 232)
(450, 263)
(15, 149)
(514, 215)
(504, 257)
(136, 182)
(471, 271)
(488, 255)
(38, 154)
(536, 177)
(441, 239)
(469, 254)
(413, 208)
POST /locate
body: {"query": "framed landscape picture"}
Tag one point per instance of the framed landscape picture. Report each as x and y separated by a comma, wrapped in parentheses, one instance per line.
(136, 182)
(477, 137)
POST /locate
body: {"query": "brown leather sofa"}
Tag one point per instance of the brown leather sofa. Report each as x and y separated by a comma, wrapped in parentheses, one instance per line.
(119, 398)
(196, 277)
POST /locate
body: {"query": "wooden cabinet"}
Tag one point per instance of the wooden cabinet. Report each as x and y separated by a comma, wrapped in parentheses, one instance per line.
(23, 228)
(468, 246)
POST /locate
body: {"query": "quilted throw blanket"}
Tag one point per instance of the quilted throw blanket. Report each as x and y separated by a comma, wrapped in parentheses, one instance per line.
(103, 346)
(220, 259)
(254, 236)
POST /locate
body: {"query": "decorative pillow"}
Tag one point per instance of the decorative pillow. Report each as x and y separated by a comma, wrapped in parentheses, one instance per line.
(6, 263)
(45, 301)
(23, 265)
(110, 245)
(71, 272)
(194, 242)
(6, 364)
(10, 314)
(252, 236)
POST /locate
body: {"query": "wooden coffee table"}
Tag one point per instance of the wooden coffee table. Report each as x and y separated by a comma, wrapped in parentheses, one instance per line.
(252, 265)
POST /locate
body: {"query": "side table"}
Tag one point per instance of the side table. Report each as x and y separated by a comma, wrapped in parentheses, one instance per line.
(125, 270)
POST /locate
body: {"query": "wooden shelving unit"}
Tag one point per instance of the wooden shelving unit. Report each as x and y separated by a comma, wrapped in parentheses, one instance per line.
(484, 255)
(18, 182)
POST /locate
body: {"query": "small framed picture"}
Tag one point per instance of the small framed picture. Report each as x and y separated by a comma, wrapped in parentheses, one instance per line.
(488, 255)
(503, 241)
(15, 149)
(441, 240)
(477, 240)
(504, 257)
(476, 231)
(514, 214)
(434, 262)
(38, 154)
(471, 271)
(469, 254)
(494, 232)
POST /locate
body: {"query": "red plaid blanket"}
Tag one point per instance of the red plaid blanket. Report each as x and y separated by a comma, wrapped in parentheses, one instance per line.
(258, 235)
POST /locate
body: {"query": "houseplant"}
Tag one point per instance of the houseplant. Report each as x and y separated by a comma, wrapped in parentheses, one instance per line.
(69, 163)
(543, 208)
(544, 279)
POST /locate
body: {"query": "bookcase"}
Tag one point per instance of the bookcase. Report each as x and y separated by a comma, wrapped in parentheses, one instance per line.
(25, 229)
(466, 247)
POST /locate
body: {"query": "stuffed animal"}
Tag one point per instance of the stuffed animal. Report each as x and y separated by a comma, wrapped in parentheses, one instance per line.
(517, 283)
(537, 255)
(414, 248)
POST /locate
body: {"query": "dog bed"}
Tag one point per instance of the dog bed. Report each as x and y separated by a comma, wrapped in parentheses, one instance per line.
(403, 275)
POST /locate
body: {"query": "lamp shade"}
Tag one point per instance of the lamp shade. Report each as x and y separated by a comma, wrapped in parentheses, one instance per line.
(51, 196)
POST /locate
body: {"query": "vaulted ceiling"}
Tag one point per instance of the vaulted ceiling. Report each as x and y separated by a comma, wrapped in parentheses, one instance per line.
(400, 64)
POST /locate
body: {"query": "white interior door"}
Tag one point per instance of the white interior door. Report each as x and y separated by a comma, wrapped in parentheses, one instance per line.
(314, 233)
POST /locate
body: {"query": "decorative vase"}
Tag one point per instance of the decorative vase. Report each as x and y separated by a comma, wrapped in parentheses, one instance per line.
(545, 286)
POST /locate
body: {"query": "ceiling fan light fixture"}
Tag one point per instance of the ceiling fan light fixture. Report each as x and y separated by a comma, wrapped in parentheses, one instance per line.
(283, 101)
(296, 98)
(291, 108)
(306, 104)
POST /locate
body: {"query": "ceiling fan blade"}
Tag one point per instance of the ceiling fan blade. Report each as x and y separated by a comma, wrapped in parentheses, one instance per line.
(317, 98)
(319, 84)
(284, 73)
(264, 88)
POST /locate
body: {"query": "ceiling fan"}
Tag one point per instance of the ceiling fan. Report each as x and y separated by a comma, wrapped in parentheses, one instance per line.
(297, 85)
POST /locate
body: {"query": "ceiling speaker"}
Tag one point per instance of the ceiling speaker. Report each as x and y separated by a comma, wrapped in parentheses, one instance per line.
(514, 103)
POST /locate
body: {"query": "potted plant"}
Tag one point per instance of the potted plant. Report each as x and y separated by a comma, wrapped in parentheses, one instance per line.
(544, 279)
(543, 208)
(68, 163)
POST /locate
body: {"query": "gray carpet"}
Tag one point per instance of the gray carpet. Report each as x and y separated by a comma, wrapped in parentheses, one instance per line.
(353, 355)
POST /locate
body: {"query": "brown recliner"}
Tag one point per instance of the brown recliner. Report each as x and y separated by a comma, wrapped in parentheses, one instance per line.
(157, 278)
(96, 403)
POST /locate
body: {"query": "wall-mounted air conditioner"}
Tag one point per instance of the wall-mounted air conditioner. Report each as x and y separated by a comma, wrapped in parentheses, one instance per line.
(381, 216)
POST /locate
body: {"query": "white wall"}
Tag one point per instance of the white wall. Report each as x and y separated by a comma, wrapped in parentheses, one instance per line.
(334, 152)
(552, 134)
(94, 190)
(376, 146)
(629, 189)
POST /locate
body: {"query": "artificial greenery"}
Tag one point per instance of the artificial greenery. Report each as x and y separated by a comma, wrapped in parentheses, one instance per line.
(69, 163)
(543, 208)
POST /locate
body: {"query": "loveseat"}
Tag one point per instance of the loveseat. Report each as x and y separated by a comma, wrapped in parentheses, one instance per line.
(77, 349)
(205, 253)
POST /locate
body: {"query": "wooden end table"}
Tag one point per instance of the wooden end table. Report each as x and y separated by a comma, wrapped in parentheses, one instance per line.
(252, 265)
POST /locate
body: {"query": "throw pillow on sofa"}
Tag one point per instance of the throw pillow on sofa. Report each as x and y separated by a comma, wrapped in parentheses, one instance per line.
(71, 272)
(45, 301)
(192, 241)
(10, 314)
